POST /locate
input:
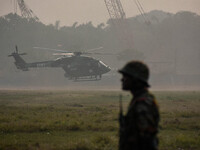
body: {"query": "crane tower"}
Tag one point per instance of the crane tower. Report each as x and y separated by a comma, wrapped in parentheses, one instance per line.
(26, 12)
(118, 18)
(115, 9)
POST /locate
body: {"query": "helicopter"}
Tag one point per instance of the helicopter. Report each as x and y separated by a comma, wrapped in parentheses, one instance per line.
(77, 65)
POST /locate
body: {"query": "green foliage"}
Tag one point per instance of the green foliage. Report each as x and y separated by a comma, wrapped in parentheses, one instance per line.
(167, 37)
(88, 120)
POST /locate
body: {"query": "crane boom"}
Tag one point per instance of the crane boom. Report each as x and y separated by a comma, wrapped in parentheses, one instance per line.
(115, 9)
(26, 12)
(118, 18)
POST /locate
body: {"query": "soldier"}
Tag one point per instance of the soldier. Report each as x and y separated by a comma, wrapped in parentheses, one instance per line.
(139, 127)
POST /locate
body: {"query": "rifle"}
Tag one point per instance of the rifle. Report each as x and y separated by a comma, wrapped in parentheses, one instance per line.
(121, 124)
(121, 116)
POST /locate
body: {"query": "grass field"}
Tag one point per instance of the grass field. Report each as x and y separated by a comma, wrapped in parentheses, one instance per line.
(88, 120)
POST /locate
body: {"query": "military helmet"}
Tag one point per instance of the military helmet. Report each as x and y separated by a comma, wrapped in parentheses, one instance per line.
(137, 70)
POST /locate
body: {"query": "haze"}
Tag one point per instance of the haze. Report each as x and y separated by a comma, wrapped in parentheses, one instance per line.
(169, 44)
(82, 11)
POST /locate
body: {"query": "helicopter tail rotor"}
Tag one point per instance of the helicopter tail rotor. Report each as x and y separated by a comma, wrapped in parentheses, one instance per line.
(19, 61)
(16, 52)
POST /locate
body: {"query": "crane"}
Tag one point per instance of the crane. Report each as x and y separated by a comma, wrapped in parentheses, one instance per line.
(142, 12)
(115, 9)
(118, 18)
(26, 12)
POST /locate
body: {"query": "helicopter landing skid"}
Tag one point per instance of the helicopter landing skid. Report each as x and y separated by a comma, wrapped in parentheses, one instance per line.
(82, 80)
(86, 79)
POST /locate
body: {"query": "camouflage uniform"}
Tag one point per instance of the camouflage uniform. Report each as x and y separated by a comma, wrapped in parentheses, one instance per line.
(139, 127)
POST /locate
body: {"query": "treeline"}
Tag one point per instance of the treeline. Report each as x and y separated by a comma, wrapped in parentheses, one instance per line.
(171, 38)
(30, 33)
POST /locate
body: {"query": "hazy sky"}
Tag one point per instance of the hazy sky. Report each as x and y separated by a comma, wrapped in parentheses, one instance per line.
(82, 11)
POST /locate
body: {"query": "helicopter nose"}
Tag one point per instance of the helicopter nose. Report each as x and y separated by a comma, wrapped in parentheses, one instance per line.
(105, 68)
(108, 69)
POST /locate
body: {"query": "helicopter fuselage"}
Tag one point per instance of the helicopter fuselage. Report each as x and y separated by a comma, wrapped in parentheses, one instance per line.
(83, 66)
(75, 66)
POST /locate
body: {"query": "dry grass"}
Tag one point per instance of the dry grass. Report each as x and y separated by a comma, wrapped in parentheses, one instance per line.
(88, 120)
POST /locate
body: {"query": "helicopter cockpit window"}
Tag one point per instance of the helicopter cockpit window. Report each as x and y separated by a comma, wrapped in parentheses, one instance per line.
(101, 63)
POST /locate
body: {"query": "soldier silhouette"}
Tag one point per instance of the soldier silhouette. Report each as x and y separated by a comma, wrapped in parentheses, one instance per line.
(139, 127)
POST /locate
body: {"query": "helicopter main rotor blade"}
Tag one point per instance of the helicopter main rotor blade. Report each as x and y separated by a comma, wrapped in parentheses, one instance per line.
(98, 53)
(68, 53)
(65, 51)
(51, 49)
(89, 50)
(63, 54)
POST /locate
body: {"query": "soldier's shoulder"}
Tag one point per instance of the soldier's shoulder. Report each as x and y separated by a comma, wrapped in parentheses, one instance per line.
(146, 103)
(146, 98)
